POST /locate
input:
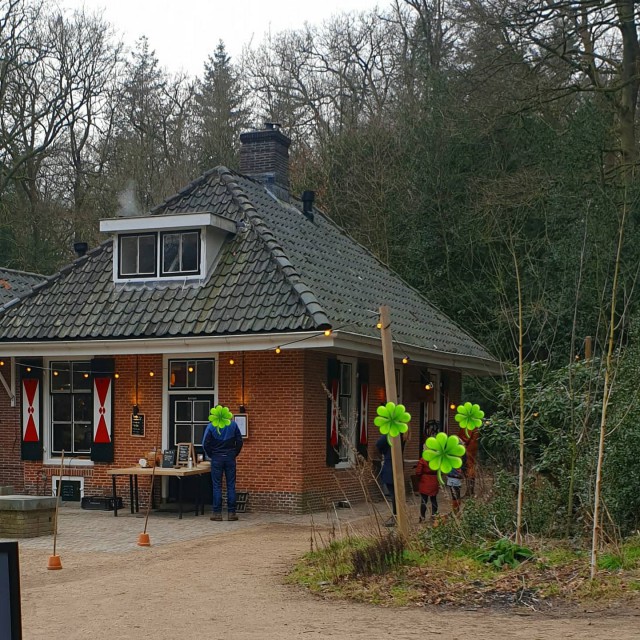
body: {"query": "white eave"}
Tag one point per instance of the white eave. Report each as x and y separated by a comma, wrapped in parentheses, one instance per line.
(194, 220)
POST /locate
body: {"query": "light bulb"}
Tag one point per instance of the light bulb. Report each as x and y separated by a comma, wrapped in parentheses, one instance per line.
(327, 332)
(232, 361)
(405, 360)
(278, 349)
(151, 374)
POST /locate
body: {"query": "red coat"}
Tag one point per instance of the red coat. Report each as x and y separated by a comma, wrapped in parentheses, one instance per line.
(427, 479)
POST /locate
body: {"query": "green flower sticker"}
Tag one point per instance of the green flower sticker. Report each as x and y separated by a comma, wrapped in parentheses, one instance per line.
(392, 419)
(469, 416)
(443, 453)
(220, 417)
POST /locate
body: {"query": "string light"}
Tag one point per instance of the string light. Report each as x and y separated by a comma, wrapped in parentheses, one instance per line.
(55, 373)
(28, 369)
(190, 369)
(428, 386)
(452, 406)
(232, 361)
(278, 349)
(86, 375)
(327, 332)
(151, 374)
(116, 375)
(405, 360)
(379, 325)
(1, 363)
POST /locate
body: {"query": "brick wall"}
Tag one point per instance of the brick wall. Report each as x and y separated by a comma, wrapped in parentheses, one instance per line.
(282, 464)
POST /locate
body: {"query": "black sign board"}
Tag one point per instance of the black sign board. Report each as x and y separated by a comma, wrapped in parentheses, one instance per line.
(137, 425)
(185, 451)
(10, 614)
(169, 458)
(69, 491)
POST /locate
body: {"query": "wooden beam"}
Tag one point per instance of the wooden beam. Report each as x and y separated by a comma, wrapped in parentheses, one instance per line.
(397, 462)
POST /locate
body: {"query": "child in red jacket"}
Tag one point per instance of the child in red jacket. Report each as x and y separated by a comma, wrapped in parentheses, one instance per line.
(428, 488)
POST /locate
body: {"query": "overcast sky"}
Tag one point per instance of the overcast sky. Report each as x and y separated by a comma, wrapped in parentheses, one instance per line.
(184, 32)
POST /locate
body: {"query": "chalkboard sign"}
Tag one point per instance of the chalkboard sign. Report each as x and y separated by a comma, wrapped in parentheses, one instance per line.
(137, 425)
(10, 614)
(69, 490)
(185, 451)
(169, 458)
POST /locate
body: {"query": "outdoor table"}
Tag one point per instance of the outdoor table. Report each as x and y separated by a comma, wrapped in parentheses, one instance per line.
(177, 472)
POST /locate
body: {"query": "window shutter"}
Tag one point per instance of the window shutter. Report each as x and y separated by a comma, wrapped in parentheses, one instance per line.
(31, 388)
(363, 410)
(102, 370)
(333, 385)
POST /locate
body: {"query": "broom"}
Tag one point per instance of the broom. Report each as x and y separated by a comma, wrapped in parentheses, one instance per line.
(54, 560)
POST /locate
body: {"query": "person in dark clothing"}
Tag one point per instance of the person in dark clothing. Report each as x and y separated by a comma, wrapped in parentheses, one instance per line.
(386, 472)
(223, 446)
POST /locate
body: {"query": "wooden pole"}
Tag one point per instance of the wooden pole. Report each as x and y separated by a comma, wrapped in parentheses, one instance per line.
(54, 561)
(392, 396)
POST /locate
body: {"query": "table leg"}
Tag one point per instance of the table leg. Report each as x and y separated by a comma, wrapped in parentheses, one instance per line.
(131, 500)
(115, 502)
(136, 495)
(180, 481)
(197, 479)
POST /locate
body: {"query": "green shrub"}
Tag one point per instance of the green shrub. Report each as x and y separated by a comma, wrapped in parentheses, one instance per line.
(505, 552)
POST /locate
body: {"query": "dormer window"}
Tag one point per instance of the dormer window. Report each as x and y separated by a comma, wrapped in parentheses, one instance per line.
(175, 246)
(180, 253)
(138, 255)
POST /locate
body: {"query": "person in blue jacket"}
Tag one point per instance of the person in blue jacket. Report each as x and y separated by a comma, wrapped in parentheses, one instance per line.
(222, 446)
(386, 472)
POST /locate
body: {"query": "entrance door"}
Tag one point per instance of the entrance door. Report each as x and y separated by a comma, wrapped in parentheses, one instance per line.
(188, 419)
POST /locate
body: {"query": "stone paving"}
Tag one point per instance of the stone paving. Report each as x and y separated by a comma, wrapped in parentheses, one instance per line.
(100, 531)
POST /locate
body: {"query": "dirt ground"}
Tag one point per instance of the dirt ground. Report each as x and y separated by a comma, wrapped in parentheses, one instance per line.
(233, 587)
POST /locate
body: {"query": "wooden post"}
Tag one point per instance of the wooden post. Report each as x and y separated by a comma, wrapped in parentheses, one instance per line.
(397, 462)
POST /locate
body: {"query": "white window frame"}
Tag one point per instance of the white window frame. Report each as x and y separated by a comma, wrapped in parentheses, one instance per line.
(137, 275)
(47, 458)
(346, 464)
(74, 478)
(179, 232)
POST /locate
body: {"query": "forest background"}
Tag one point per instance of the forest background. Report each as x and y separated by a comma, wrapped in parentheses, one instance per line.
(486, 150)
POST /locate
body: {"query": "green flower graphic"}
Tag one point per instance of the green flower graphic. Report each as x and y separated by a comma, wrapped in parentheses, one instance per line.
(443, 453)
(469, 416)
(220, 417)
(392, 419)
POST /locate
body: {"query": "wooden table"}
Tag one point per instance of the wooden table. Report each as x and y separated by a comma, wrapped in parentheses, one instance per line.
(177, 472)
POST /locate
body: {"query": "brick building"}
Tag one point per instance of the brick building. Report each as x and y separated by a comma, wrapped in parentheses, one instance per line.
(231, 292)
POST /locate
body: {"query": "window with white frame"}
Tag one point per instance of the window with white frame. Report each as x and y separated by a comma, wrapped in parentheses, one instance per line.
(348, 411)
(191, 374)
(180, 252)
(137, 255)
(71, 408)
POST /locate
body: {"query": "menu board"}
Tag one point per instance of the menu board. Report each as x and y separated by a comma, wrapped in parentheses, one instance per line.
(169, 458)
(185, 451)
(137, 425)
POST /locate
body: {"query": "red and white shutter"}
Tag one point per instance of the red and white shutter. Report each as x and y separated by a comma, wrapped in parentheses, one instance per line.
(31, 389)
(335, 385)
(103, 370)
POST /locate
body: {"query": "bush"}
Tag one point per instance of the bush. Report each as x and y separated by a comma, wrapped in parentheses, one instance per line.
(379, 556)
(505, 552)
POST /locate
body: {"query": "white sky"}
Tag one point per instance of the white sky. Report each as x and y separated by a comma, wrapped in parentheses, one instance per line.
(184, 32)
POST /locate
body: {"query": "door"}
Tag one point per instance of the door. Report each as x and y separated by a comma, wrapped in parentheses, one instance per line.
(188, 419)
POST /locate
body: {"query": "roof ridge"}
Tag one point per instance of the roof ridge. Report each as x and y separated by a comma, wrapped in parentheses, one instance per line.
(305, 294)
(47, 281)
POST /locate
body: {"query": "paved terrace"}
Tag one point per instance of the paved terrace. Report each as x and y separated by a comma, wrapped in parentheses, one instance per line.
(99, 531)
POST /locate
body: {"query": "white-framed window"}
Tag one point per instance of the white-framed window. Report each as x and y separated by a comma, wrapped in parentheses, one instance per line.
(138, 255)
(347, 403)
(193, 374)
(167, 254)
(180, 252)
(70, 408)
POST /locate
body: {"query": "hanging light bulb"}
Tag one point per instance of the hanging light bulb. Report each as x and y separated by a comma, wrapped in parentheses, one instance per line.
(1, 363)
(452, 406)
(278, 349)
(151, 374)
(85, 375)
(190, 369)
(405, 360)
(55, 373)
(379, 325)
(327, 332)
(116, 375)
(428, 386)
(28, 369)
(232, 361)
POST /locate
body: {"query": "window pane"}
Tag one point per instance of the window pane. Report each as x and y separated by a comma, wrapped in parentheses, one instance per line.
(178, 377)
(183, 411)
(201, 410)
(61, 437)
(191, 374)
(82, 407)
(198, 433)
(345, 379)
(205, 374)
(190, 243)
(183, 433)
(147, 255)
(170, 253)
(82, 438)
(61, 408)
(129, 255)
(60, 376)
(81, 376)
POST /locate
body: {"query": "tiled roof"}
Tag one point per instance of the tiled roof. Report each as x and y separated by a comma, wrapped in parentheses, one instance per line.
(14, 284)
(285, 273)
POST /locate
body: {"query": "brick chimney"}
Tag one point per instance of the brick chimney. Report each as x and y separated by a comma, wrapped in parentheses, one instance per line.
(264, 156)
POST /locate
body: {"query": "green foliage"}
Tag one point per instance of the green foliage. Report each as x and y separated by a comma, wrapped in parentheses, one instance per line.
(505, 552)
(378, 556)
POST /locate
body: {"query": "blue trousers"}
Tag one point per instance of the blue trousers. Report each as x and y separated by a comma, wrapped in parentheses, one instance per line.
(226, 465)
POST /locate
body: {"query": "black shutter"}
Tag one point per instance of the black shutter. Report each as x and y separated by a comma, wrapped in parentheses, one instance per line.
(362, 433)
(103, 394)
(333, 386)
(31, 394)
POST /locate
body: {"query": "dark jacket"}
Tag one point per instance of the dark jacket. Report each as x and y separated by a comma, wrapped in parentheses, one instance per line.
(227, 442)
(386, 472)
